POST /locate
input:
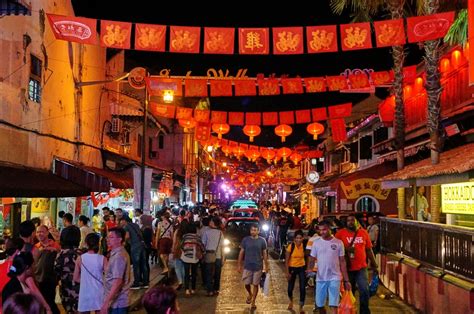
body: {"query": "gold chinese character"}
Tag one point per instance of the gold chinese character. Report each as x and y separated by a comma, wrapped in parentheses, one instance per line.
(358, 81)
(287, 41)
(322, 40)
(253, 41)
(355, 37)
(314, 86)
(388, 33)
(292, 88)
(115, 35)
(149, 36)
(184, 40)
(268, 88)
(380, 78)
(217, 42)
(337, 83)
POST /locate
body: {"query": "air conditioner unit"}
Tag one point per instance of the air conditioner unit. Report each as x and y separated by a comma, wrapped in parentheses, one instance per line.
(116, 125)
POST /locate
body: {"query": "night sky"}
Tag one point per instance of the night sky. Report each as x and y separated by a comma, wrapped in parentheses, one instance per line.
(239, 14)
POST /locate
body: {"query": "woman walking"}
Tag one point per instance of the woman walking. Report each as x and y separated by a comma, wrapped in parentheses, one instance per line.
(192, 251)
(176, 250)
(296, 267)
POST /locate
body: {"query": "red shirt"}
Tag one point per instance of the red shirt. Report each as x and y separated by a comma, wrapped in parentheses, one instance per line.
(110, 224)
(361, 243)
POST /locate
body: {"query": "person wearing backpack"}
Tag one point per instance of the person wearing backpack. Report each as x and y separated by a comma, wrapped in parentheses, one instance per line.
(192, 251)
(296, 267)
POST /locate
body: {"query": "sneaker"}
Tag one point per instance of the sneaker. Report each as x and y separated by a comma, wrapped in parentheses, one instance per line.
(145, 286)
(135, 287)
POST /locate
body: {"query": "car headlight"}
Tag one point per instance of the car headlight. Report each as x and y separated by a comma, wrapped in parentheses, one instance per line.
(265, 227)
(226, 242)
(227, 250)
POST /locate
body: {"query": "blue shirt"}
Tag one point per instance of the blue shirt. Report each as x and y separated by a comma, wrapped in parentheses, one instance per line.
(253, 252)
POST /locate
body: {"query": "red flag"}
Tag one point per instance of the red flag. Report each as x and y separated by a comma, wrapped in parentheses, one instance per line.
(429, 27)
(218, 116)
(201, 115)
(270, 118)
(287, 117)
(221, 88)
(355, 36)
(387, 111)
(336, 83)
(195, 88)
(253, 118)
(157, 85)
(70, 28)
(292, 86)
(359, 81)
(303, 116)
(202, 133)
(321, 38)
(381, 78)
(150, 37)
(390, 33)
(254, 41)
(340, 111)
(236, 118)
(245, 87)
(319, 114)
(115, 34)
(185, 39)
(287, 40)
(268, 87)
(315, 84)
(219, 40)
(184, 113)
(162, 110)
(338, 128)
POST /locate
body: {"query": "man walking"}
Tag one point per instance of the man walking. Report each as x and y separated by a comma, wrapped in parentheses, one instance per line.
(329, 253)
(117, 275)
(254, 255)
(213, 239)
(358, 247)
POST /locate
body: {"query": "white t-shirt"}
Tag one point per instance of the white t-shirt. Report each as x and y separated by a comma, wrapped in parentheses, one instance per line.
(311, 240)
(327, 252)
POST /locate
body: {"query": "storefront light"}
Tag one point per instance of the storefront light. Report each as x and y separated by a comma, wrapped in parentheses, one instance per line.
(168, 96)
(314, 161)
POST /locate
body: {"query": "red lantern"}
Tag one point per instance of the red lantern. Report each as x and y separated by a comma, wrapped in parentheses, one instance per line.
(284, 152)
(252, 154)
(187, 124)
(220, 128)
(268, 154)
(315, 129)
(296, 158)
(283, 130)
(238, 150)
(226, 149)
(251, 131)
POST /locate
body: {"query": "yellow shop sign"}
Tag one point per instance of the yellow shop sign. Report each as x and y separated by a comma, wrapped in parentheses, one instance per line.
(457, 198)
(364, 186)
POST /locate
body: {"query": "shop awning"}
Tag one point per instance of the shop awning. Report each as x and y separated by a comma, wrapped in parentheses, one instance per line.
(98, 180)
(20, 181)
(455, 165)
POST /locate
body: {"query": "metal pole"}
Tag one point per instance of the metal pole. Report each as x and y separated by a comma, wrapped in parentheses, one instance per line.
(142, 176)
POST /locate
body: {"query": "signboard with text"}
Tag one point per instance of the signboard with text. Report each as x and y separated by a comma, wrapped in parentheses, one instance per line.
(457, 198)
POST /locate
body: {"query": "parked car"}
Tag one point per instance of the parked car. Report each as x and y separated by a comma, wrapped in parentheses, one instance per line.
(247, 212)
(238, 228)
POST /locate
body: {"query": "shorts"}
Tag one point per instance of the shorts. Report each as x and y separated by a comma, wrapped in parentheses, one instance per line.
(323, 288)
(165, 245)
(251, 277)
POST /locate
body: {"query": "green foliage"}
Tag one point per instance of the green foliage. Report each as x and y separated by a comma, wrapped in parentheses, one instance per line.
(457, 34)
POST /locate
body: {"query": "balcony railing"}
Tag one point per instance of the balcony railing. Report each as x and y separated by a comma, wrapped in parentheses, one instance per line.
(450, 248)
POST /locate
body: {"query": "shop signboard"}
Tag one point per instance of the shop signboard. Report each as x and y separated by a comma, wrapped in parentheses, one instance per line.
(364, 186)
(458, 198)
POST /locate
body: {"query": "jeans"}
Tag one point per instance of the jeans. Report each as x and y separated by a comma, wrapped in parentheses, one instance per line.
(360, 278)
(179, 269)
(141, 269)
(119, 310)
(299, 272)
(213, 273)
(190, 271)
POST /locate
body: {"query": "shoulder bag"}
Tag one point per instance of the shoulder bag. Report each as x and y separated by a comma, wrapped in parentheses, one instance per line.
(211, 255)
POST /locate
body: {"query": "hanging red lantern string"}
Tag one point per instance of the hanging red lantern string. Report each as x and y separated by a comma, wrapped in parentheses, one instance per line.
(187, 124)
(220, 128)
(284, 152)
(226, 149)
(283, 130)
(296, 158)
(268, 154)
(315, 129)
(251, 131)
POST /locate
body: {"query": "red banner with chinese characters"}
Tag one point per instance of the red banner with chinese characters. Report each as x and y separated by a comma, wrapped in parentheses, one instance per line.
(202, 116)
(253, 118)
(390, 33)
(221, 88)
(185, 39)
(219, 116)
(162, 110)
(321, 38)
(409, 74)
(267, 87)
(219, 40)
(355, 36)
(315, 84)
(359, 81)
(156, 86)
(287, 117)
(77, 29)
(287, 40)
(319, 114)
(340, 111)
(203, 132)
(270, 118)
(429, 27)
(195, 88)
(303, 116)
(245, 88)
(254, 41)
(381, 78)
(336, 83)
(470, 52)
(292, 85)
(150, 37)
(236, 118)
(115, 34)
(184, 113)
(338, 128)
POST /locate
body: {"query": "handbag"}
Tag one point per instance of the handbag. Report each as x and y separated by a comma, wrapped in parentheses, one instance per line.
(211, 255)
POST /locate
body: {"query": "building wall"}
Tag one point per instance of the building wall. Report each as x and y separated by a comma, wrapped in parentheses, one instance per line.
(66, 121)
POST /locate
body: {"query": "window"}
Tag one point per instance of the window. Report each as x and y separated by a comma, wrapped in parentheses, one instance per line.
(34, 84)
(366, 147)
(161, 141)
